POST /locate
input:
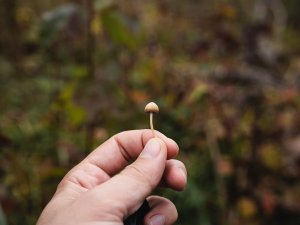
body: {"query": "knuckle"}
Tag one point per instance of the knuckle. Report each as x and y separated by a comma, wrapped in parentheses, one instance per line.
(139, 175)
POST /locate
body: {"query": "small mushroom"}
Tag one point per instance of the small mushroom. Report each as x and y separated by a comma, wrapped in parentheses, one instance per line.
(151, 108)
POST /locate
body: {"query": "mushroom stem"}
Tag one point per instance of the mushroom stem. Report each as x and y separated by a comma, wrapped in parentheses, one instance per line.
(151, 121)
(151, 124)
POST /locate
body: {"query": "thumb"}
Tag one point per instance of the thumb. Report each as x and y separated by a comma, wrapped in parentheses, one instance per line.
(126, 191)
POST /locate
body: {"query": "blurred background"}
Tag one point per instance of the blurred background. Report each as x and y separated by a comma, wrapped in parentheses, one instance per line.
(225, 74)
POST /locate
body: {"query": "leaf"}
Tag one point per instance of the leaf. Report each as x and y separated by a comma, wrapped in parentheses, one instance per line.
(75, 114)
(271, 156)
(55, 20)
(198, 93)
(100, 5)
(246, 207)
(113, 23)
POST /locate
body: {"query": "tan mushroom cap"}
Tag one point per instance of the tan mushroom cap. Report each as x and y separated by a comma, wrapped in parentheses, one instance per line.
(151, 107)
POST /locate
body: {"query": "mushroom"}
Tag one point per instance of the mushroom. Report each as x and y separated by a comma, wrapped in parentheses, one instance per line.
(151, 108)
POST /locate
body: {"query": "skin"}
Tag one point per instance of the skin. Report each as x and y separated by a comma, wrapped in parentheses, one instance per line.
(105, 188)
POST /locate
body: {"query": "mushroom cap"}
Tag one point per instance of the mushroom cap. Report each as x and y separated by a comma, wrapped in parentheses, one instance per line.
(151, 107)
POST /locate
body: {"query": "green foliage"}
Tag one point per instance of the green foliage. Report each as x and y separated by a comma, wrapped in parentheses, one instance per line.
(225, 75)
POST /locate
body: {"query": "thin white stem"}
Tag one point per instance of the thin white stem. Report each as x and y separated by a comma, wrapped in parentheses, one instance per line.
(151, 124)
(151, 121)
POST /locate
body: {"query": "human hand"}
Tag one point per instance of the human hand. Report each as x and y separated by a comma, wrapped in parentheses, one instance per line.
(104, 189)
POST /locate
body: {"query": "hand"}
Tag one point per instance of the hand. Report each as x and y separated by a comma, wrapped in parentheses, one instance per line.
(104, 189)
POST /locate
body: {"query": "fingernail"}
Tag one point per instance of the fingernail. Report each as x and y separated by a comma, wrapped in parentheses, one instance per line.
(157, 220)
(151, 149)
